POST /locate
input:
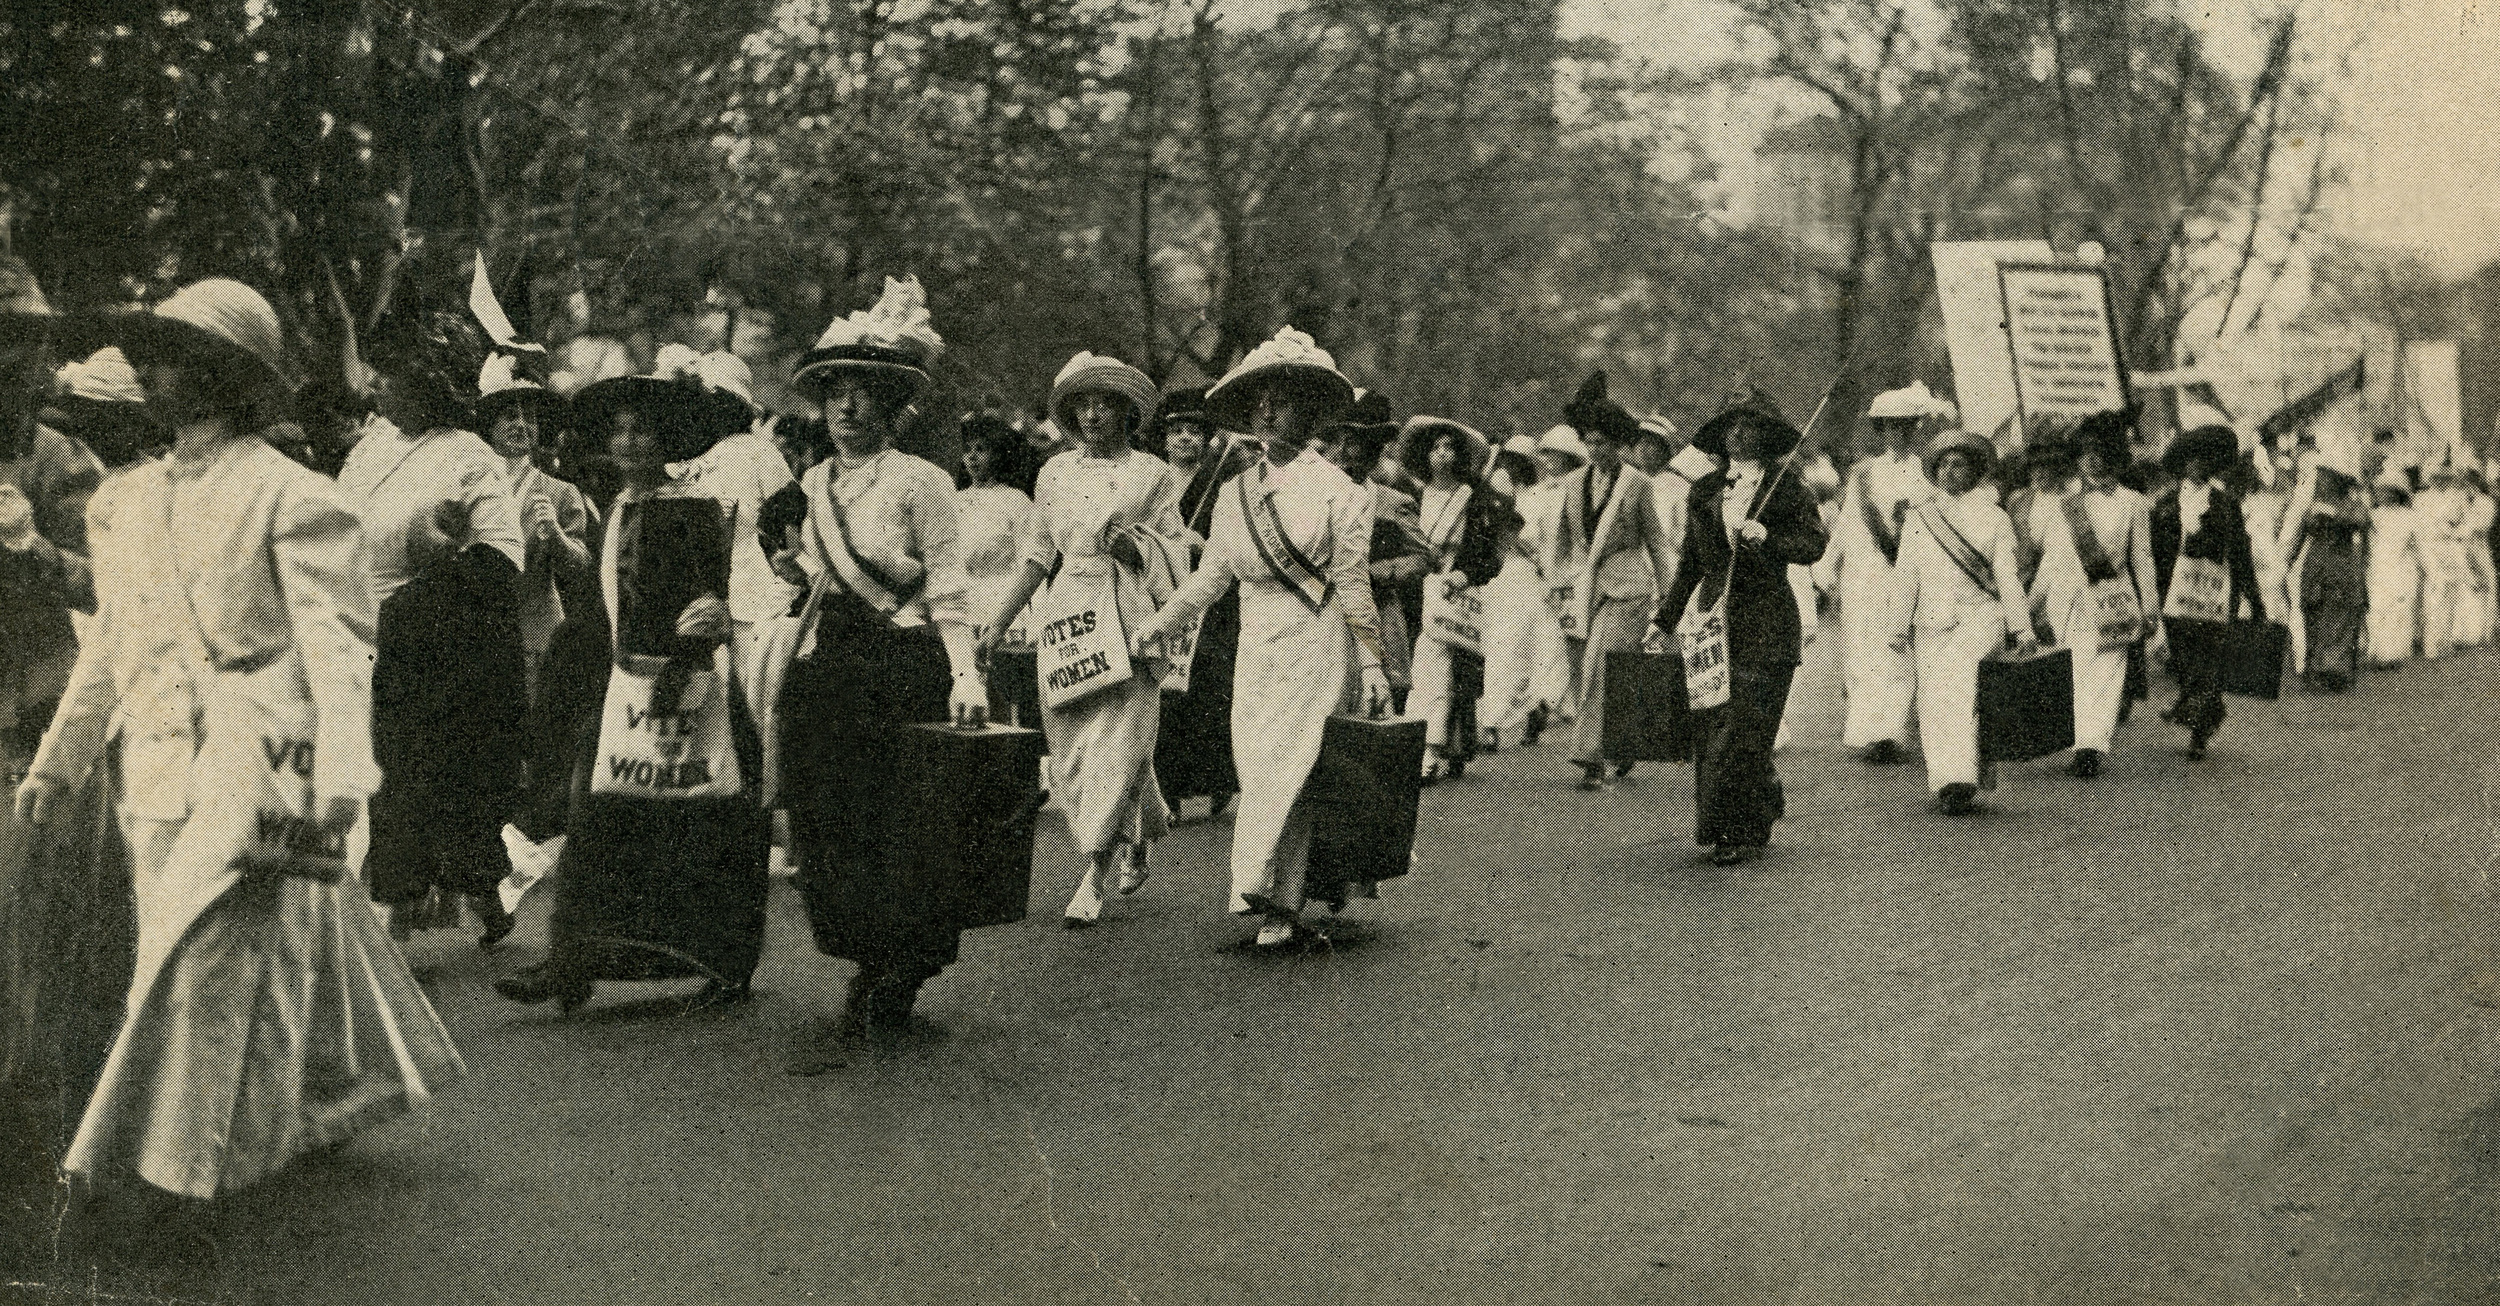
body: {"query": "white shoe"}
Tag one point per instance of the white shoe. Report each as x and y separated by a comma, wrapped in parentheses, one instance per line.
(1084, 909)
(1275, 934)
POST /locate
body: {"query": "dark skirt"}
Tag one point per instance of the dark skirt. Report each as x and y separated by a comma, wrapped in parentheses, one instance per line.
(839, 711)
(2334, 599)
(649, 890)
(1194, 742)
(449, 694)
(1736, 792)
(2196, 656)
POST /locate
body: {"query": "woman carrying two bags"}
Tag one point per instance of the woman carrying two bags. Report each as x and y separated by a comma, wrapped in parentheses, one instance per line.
(1106, 532)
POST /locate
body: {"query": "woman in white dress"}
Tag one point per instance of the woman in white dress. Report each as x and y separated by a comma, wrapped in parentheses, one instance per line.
(2094, 530)
(991, 518)
(2395, 572)
(1105, 516)
(268, 1015)
(1294, 533)
(1957, 596)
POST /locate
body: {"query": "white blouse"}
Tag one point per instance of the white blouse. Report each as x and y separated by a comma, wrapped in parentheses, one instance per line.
(900, 512)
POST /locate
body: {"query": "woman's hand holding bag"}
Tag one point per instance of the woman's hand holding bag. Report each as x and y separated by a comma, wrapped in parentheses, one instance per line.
(706, 618)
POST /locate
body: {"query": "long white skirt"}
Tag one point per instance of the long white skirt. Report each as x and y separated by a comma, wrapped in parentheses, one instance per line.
(2100, 678)
(2395, 591)
(1879, 682)
(1514, 602)
(1295, 669)
(1948, 699)
(280, 1020)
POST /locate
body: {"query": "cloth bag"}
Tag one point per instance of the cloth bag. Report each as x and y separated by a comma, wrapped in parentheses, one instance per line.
(1080, 647)
(1454, 612)
(2113, 614)
(2200, 590)
(1703, 638)
(683, 752)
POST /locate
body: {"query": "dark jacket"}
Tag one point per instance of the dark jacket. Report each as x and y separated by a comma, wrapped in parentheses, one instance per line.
(2221, 537)
(1762, 625)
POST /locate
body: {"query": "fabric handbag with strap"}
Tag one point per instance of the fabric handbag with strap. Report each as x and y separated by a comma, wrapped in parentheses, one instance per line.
(1080, 647)
(1702, 636)
(1454, 612)
(2116, 615)
(676, 749)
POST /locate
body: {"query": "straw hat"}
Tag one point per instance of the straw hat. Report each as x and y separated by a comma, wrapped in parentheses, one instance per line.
(220, 326)
(1563, 440)
(891, 344)
(1973, 443)
(1096, 374)
(1293, 360)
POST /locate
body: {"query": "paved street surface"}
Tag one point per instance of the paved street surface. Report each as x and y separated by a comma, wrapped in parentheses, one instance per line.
(2207, 1033)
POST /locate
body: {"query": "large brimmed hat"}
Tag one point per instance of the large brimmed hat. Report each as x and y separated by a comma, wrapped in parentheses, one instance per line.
(690, 411)
(1910, 403)
(500, 387)
(1186, 403)
(1096, 374)
(2105, 433)
(1592, 413)
(1292, 360)
(223, 327)
(891, 344)
(1978, 446)
(1748, 407)
(1475, 453)
(1367, 423)
(2215, 446)
(1563, 440)
(104, 377)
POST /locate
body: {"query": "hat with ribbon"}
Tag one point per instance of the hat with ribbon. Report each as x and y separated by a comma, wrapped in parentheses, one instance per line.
(1090, 373)
(1748, 407)
(891, 344)
(1293, 361)
(1983, 452)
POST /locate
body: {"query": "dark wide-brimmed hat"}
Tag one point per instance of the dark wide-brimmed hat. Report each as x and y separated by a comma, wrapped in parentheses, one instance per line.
(222, 328)
(501, 388)
(693, 400)
(2215, 446)
(1368, 423)
(1979, 447)
(1292, 360)
(891, 345)
(1749, 407)
(1475, 452)
(1594, 415)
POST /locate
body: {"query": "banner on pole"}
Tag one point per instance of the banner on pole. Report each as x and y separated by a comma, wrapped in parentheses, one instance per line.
(2065, 341)
(1974, 326)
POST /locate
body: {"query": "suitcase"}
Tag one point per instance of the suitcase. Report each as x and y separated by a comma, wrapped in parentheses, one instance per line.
(965, 806)
(1363, 793)
(2026, 706)
(1016, 687)
(2252, 658)
(1647, 719)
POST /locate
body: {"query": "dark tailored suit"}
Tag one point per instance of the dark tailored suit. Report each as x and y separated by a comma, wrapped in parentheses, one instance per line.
(1736, 793)
(2196, 646)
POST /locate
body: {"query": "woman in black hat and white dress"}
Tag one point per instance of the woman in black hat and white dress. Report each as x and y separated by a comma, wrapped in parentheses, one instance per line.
(887, 642)
(1106, 522)
(1293, 533)
(2095, 539)
(1746, 525)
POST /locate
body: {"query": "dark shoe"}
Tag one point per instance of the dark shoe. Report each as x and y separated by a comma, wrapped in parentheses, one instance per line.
(539, 984)
(823, 1046)
(1458, 768)
(1217, 804)
(1623, 769)
(1735, 854)
(720, 993)
(2086, 765)
(494, 923)
(1957, 799)
(1592, 776)
(1534, 728)
(1884, 752)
